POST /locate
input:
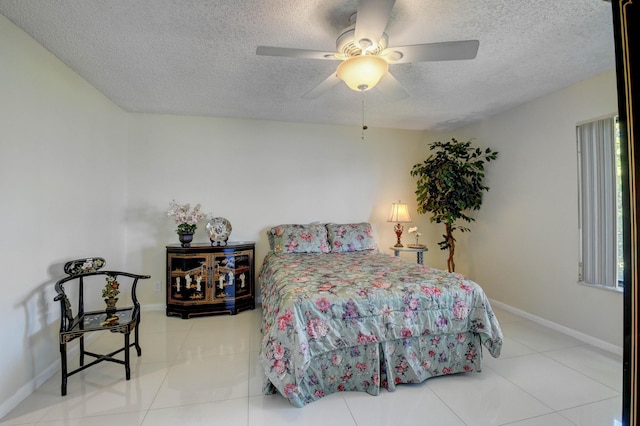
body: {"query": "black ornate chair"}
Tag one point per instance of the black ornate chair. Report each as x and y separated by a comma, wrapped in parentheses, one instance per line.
(116, 319)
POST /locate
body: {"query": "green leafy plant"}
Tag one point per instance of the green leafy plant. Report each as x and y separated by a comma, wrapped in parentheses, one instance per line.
(450, 185)
(111, 288)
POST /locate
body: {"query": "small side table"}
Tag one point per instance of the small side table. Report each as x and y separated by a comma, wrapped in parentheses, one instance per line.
(418, 250)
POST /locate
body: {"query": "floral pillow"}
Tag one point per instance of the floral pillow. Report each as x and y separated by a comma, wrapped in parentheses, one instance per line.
(311, 238)
(351, 237)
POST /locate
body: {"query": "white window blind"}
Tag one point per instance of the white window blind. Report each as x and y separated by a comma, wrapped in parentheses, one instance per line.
(597, 181)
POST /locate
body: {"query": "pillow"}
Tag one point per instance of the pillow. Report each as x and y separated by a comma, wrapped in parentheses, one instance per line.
(311, 238)
(351, 237)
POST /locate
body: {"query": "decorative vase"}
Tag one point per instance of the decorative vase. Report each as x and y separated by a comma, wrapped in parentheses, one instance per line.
(185, 239)
(111, 304)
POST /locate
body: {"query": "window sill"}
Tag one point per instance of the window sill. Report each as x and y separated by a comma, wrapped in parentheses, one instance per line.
(603, 287)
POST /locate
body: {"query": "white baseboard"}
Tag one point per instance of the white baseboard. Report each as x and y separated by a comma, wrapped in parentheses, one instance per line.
(560, 328)
(26, 390)
(33, 384)
(152, 308)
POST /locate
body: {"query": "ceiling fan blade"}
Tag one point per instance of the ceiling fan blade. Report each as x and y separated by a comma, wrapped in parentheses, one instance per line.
(445, 51)
(295, 53)
(325, 85)
(391, 88)
(371, 19)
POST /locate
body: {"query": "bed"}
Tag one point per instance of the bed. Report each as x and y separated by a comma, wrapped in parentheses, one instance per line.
(339, 315)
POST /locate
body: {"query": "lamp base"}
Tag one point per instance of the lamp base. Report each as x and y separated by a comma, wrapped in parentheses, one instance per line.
(398, 228)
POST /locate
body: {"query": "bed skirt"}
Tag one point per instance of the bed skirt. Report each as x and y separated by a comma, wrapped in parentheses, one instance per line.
(369, 367)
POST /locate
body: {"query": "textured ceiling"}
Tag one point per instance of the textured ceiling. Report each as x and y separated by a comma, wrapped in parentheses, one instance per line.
(198, 57)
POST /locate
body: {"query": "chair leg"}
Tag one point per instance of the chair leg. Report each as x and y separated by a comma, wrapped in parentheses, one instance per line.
(63, 366)
(136, 340)
(81, 350)
(127, 369)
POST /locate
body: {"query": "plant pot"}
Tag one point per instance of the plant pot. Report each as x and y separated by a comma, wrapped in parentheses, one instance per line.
(185, 239)
(111, 304)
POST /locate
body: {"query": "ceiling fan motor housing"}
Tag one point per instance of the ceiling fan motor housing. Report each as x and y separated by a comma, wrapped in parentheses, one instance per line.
(347, 45)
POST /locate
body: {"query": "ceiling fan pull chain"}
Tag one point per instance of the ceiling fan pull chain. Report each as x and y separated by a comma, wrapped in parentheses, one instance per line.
(364, 127)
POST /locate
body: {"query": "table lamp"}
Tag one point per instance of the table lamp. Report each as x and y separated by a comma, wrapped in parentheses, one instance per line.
(399, 214)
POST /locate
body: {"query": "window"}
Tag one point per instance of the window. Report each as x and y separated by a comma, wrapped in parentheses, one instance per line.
(600, 204)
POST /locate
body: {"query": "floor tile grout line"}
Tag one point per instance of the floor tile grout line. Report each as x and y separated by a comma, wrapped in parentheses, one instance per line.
(346, 403)
(455, 413)
(552, 410)
(578, 344)
(536, 417)
(580, 372)
(587, 404)
(562, 364)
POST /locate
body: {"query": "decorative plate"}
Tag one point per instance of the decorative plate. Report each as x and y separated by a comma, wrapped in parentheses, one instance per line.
(219, 230)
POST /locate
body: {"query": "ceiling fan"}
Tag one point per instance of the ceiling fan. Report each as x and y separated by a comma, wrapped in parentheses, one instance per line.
(365, 56)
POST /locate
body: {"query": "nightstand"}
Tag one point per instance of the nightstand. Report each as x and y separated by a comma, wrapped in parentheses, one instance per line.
(418, 250)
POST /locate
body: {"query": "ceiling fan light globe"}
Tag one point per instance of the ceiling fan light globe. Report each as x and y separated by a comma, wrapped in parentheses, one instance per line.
(364, 71)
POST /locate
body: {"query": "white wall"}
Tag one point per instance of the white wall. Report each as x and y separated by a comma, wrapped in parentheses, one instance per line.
(62, 186)
(259, 174)
(523, 248)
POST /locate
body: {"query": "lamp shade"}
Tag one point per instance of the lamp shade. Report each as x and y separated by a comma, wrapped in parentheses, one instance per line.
(399, 213)
(362, 72)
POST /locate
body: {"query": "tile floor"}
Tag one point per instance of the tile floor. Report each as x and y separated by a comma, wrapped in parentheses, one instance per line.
(204, 371)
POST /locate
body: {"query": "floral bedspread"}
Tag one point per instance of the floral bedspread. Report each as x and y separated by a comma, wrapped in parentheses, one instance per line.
(358, 321)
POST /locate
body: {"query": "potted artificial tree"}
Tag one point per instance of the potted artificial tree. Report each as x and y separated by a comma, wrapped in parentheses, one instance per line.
(450, 185)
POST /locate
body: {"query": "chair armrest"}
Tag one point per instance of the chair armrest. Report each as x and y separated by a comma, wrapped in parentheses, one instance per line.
(66, 313)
